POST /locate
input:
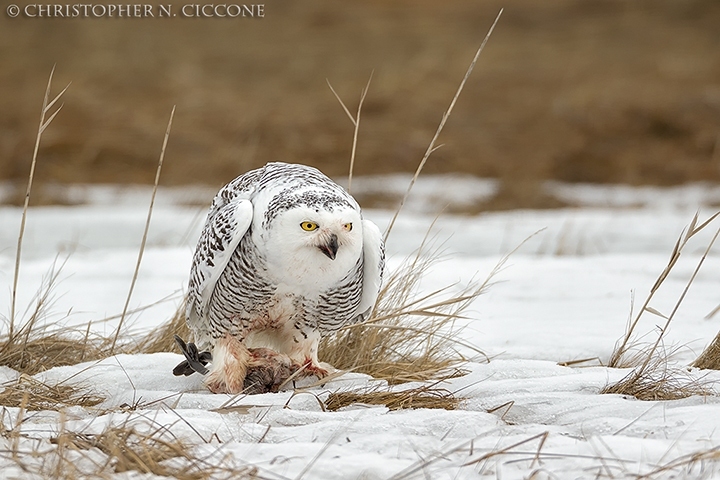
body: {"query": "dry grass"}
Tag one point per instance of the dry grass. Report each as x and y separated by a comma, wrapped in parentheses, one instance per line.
(710, 357)
(141, 251)
(34, 395)
(651, 378)
(125, 449)
(432, 147)
(426, 396)
(693, 465)
(658, 381)
(33, 346)
(408, 337)
(46, 108)
(43, 351)
(356, 124)
(628, 341)
(162, 338)
(145, 448)
(118, 449)
(481, 461)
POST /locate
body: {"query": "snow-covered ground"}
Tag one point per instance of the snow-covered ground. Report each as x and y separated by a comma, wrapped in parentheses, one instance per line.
(564, 295)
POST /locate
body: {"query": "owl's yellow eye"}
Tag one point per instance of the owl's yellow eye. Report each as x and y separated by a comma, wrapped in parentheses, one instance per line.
(347, 226)
(309, 226)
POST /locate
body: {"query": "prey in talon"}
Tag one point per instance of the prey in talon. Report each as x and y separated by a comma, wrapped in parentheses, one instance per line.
(285, 257)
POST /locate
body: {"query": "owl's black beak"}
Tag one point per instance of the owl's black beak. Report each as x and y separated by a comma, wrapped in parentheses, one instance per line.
(330, 249)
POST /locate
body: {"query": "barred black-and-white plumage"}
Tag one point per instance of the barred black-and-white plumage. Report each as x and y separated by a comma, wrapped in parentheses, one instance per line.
(284, 258)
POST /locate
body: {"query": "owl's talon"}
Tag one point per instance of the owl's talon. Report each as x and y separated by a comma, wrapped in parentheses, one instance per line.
(310, 368)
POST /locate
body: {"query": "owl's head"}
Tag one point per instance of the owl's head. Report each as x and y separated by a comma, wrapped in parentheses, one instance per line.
(316, 241)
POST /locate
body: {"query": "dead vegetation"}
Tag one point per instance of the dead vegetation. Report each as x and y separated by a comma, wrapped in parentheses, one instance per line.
(34, 395)
(127, 450)
(652, 378)
(162, 338)
(426, 396)
(141, 250)
(138, 448)
(693, 465)
(659, 381)
(33, 346)
(408, 337)
(709, 359)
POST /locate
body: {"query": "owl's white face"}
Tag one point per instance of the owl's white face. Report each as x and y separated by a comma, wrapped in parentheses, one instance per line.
(314, 248)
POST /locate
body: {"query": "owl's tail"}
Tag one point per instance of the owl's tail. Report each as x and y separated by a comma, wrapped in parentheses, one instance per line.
(194, 360)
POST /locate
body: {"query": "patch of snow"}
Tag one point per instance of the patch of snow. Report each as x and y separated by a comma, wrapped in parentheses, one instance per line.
(564, 295)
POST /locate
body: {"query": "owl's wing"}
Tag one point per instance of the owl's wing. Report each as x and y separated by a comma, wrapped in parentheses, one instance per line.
(373, 266)
(225, 227)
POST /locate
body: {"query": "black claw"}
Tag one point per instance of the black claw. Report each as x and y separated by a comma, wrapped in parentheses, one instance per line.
(194, 360)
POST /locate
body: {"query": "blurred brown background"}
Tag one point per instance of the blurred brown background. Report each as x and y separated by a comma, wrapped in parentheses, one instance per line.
(575, 90)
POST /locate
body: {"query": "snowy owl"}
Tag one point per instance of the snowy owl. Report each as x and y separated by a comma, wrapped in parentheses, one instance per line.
(285, 257)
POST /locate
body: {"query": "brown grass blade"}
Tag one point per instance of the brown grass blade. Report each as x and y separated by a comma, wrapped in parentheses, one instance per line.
(658, 382)
(651, 378)
(431, 148)
(356, 123)
(145, 231)
(41, 128)
(541, 436)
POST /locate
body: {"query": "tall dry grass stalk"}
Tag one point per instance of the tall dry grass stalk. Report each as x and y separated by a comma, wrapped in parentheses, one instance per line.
(651, 378)
(145, 231)
(356, 124)
(432, 147)
(46, 107)
(627, 342)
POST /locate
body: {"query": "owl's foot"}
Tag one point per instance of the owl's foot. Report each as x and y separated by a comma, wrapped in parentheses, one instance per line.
(229, 366)
(267, 370)
(310, 368)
